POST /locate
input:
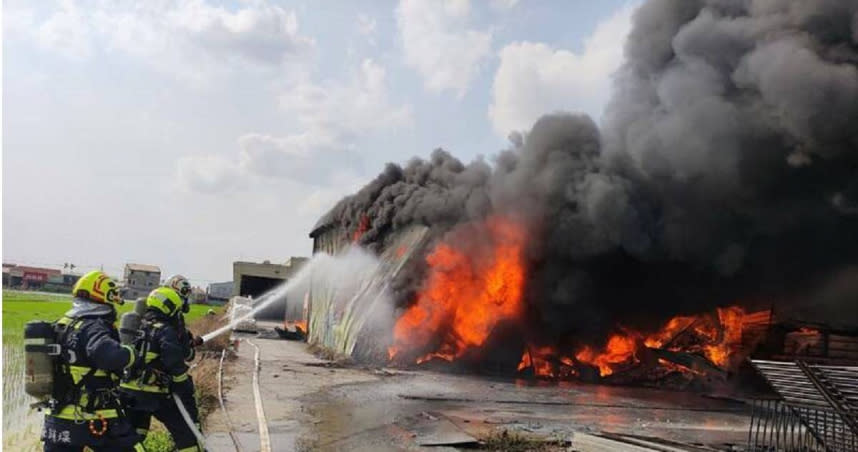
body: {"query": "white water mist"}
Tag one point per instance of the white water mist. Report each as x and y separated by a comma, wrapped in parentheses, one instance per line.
(347, 273)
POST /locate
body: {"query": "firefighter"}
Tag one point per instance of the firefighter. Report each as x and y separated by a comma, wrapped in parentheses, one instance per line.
(148, 387)
(84, 410)
(183, 287)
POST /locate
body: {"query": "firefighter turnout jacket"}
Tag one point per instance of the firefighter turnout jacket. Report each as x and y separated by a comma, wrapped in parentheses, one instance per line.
(85, 408)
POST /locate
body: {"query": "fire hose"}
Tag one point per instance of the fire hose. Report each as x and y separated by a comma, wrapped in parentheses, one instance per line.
(187, 417)
(222, 405)
(264, 439)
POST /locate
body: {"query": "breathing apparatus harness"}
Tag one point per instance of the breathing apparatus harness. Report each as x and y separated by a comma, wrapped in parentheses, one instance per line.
(142, 372)
(68, 392)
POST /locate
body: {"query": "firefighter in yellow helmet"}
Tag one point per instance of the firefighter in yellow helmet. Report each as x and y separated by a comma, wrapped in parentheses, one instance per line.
(84, 410)
(148, 387)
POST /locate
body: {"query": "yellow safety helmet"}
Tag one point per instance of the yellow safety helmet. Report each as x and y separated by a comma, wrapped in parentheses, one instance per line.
(164, 299)
(97, 287)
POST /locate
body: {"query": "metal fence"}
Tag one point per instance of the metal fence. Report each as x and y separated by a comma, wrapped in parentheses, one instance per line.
(815, 409)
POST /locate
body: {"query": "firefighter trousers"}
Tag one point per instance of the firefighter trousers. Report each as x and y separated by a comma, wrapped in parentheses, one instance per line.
(168, 413)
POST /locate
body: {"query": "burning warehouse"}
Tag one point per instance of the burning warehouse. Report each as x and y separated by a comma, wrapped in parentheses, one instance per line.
(715, 203)
(721, 183)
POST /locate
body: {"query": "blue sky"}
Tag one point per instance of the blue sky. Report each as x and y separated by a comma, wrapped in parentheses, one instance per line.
(189, 134)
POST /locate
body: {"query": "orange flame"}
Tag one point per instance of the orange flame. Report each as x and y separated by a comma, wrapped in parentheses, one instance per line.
(302, 324)
(465, 296)
(361, 229)
(620, 349)
(669, 331)
(730, 320)
(525, 361)
(468, 291)
(401, 251)
(671, 366)
(546, 362)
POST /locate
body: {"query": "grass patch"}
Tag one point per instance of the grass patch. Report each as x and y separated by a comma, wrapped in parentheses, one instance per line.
(206, 324)
(159, 441)
(518, 442)
(21, 307)
(23, 295)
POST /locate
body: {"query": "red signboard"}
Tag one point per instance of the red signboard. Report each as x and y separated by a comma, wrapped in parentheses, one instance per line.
(36, 277)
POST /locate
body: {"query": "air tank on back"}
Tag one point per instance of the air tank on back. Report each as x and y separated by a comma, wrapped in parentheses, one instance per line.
(129, 323)
(40, 351)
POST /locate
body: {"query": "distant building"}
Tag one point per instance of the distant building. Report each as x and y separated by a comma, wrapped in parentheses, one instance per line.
(219, 293)
(61, 283)
(251, 279)
(7, 268)
(198, 296)
(139, 280)
(70, 279)
(29, 278)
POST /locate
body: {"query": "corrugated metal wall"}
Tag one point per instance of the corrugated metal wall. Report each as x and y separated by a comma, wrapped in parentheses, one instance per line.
(337, 317)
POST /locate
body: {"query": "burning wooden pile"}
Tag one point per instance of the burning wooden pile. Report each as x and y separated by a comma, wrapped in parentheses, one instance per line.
(468, 295)
(687, 350)
(818, 343)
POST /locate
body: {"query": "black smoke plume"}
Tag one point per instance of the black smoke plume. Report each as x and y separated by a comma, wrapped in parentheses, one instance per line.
(725, 171)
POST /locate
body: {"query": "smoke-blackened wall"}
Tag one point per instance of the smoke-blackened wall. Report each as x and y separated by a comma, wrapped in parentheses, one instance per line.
(725, 170)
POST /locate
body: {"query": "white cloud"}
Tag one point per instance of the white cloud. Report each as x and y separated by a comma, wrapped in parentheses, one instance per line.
(438, 44)
(309, 157)
(208, 174)
(365, 25)
(318, 201)
(354, 107)
(533, 78)
(332, 116)
(190, 39)
(67, 31)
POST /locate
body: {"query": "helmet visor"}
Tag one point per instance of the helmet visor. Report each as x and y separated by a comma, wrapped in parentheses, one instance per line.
(112, 295)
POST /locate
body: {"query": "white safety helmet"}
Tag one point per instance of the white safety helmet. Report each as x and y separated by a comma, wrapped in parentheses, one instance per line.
(182, 286)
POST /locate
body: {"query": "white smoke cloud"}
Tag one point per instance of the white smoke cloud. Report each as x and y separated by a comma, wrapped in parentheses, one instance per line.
(439, 45)
(534, 78)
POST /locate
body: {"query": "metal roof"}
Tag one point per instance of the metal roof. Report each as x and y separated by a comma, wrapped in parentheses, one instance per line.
(809, 390)
(144, 268)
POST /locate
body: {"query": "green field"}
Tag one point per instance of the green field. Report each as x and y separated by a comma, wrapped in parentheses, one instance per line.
(21, 307)
(20, 424)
